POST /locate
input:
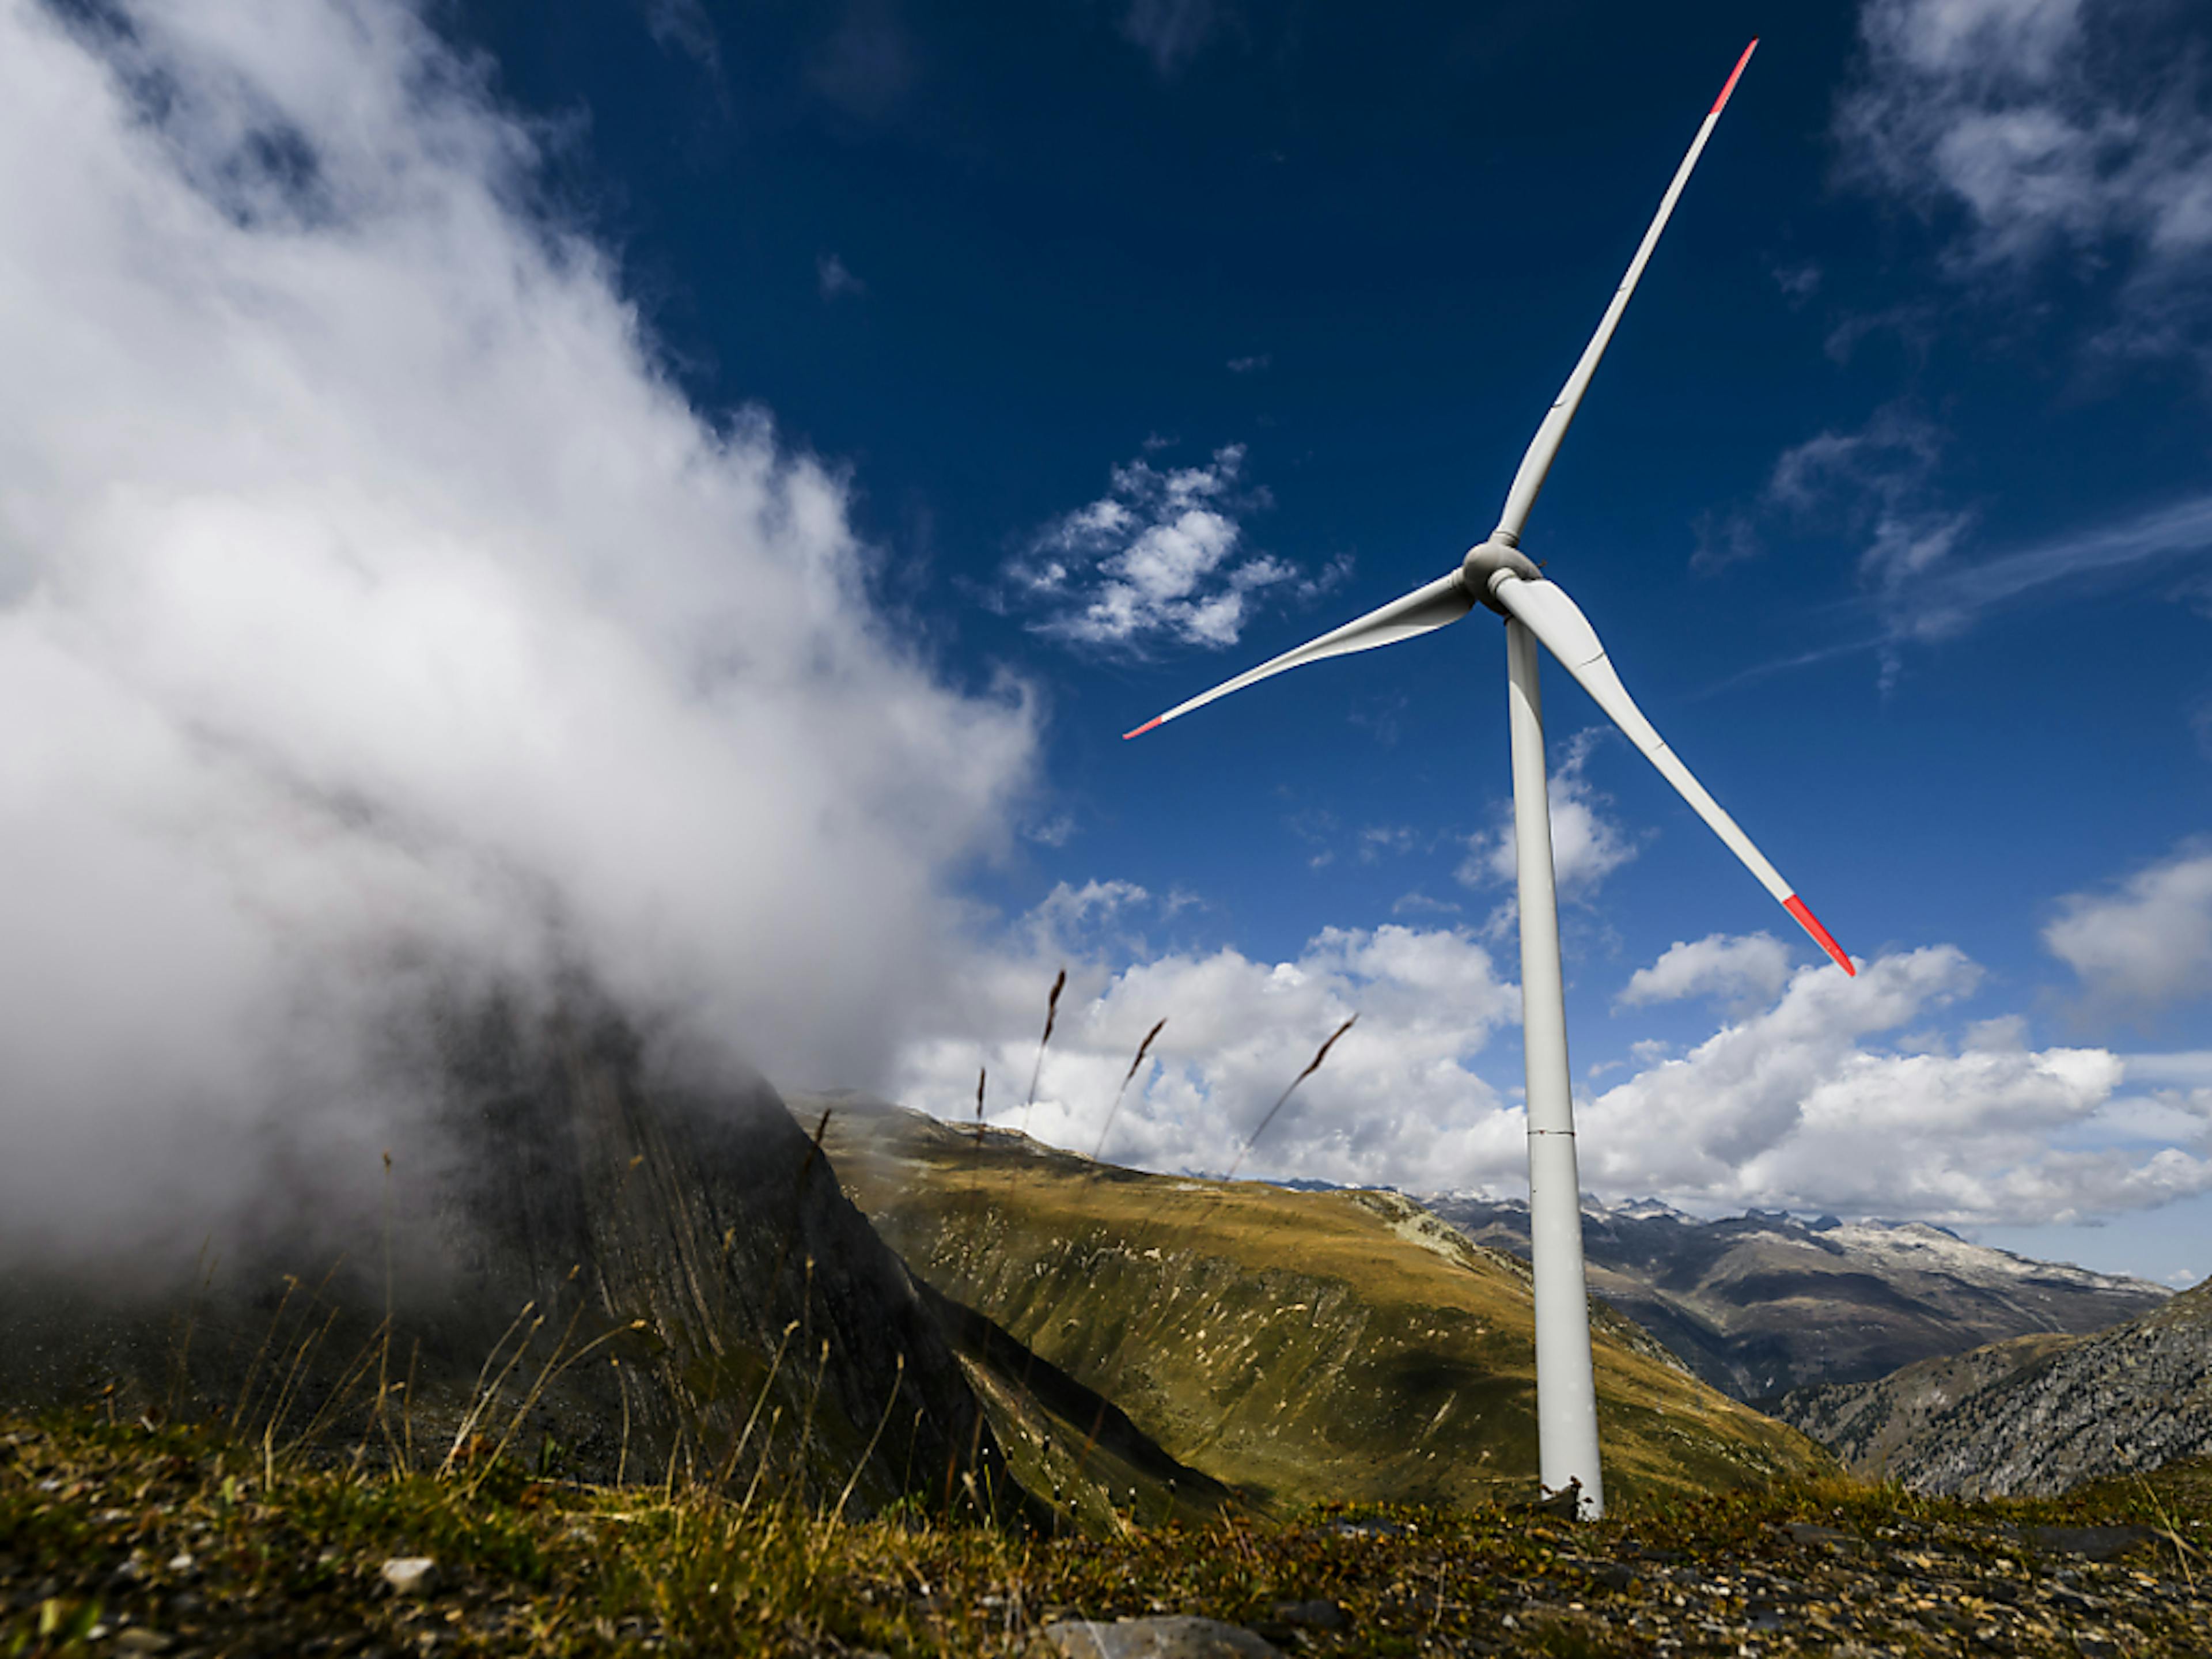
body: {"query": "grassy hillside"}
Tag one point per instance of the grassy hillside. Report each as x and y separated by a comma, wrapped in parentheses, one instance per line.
(1302, 1348)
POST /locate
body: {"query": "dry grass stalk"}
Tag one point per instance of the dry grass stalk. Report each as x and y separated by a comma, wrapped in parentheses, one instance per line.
(481, 1397)
(1122, 1093)
(852, 1480)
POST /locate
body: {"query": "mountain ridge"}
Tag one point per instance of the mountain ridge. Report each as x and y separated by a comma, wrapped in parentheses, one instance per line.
(1763, 1302)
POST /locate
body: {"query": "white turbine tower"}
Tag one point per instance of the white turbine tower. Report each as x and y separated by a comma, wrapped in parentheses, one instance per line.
(1498, 574)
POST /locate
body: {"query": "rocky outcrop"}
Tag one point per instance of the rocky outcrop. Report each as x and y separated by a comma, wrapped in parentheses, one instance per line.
(1761, 1304)
(2031, 1417)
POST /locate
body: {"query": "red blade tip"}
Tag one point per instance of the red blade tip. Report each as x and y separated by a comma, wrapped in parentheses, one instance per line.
(1822, 936)
(1733, 73)
(1146, 727)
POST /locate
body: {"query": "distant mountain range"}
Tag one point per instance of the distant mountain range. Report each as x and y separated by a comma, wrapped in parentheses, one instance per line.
(2031, 1416)
(1760, 1303)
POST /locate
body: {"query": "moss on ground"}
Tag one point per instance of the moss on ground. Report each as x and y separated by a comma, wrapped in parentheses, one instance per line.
(124, 1540)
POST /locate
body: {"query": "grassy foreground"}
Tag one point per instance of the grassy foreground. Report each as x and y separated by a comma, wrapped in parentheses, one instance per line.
(129, 1540)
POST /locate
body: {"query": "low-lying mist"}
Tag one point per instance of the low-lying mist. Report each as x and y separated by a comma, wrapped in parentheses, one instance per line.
(382, 632)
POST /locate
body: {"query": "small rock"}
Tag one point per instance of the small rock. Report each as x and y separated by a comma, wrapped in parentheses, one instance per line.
(182, 1564)
(139, 1639)
(1804, 1532)
(410, 1575)
(1176, 1638)
(1313, 1616)
(2096, 1543)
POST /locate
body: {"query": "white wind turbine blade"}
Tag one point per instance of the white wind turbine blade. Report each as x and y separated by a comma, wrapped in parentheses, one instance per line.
(1529, 480)
(1557, 622)
(1443, 601)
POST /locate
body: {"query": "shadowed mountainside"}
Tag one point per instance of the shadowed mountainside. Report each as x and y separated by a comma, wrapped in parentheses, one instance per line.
(1297, 1346)
(2033, 1416)
(667, 1260)
(1760, 1303)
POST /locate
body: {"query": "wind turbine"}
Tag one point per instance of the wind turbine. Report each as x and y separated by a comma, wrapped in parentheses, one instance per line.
(1498, 574)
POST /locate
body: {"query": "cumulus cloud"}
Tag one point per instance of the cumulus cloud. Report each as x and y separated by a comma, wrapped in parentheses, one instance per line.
(2044, 131)
(1829, 1094)
(1587, 846)
(376, 615)
(1736, 969)
(1804, 1105)
(1159, 557)
(2146, 944)
(1397, 1096)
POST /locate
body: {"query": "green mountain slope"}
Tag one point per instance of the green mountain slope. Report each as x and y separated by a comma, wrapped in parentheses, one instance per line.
(1300, 1347)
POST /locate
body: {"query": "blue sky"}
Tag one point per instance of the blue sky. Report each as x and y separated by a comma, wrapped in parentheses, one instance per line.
(986, 267)
(1093, 352)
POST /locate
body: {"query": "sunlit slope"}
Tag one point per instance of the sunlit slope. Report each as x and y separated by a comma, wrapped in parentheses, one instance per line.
(1301, 1346)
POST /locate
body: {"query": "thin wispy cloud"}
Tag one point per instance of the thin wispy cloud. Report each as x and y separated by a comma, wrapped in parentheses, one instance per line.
(683, 26)
(1251, 365)
(1879, 485)
(2049, 135)
(1948, 602)
(1171, 32)
(835, 278)
(1959, 596)
(868, 64)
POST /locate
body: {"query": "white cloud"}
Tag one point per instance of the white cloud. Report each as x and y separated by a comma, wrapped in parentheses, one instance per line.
(1587, 846)
(1733, 969)
(1837, 1094)
(1251, 365)
(1802, 1106)
(2047, 130)
(2149, 943)
(1160, 556)
(1397, 1097)
(376, 618)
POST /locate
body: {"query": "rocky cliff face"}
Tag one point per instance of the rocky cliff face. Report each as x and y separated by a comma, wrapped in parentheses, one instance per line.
(2033, 1416)
(1761, 1304)
(666, 1259)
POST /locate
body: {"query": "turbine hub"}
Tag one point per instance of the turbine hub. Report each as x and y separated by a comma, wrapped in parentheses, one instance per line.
(1483, 564)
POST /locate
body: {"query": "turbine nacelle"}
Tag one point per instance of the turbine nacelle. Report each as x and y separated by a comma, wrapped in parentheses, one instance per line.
(1485, 563)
